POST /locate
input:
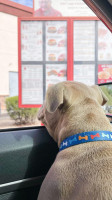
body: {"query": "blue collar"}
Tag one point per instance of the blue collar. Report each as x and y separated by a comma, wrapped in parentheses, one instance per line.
(85, 137)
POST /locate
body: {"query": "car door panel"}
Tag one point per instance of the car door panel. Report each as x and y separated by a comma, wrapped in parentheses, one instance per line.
(25, 157)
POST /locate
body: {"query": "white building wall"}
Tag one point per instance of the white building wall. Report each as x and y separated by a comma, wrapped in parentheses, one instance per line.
(8, 50)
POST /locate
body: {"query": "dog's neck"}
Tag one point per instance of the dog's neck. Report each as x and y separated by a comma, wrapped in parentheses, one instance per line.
(77, 121)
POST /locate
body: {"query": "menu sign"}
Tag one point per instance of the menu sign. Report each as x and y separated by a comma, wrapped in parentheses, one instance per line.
(61, 8)
(31, 41)
(56, 41)
(85, 74)
(104, 43)
(55, 73)
(32, 84)
(84, 40)
(104, 73)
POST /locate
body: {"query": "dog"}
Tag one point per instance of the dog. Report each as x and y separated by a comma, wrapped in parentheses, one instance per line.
(82, 171)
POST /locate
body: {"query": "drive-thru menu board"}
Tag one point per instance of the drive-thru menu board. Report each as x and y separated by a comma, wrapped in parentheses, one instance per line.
(51, 51)
(43, 59)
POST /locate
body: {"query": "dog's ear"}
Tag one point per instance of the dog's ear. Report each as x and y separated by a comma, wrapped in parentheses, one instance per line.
(101, 97)
(54, 97)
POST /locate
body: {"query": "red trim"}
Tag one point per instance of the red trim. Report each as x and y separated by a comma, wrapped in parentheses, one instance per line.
(56, 18)
(70, 51)
(29, 106)
(16, 9)
(19, 62)
(43, 18)
(85, 18)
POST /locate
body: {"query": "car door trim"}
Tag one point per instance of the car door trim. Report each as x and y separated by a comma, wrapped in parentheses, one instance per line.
(20, 184)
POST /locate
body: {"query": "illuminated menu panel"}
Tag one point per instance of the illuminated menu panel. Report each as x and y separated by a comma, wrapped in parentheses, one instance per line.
(84, 40)
(104, 43)
(31, 41)
(85, 74)
(32, 84)
(56, 41)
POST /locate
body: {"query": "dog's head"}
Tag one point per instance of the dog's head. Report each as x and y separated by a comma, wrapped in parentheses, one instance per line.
(63, 98)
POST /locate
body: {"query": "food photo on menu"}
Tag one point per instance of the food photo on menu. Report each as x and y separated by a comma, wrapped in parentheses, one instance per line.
(54, 57)
(53, 29)
(104, 73)
(55, 73)
(61, 73)
(53, 42)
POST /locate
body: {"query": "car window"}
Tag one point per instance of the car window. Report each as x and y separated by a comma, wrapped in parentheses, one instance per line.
(90, 52)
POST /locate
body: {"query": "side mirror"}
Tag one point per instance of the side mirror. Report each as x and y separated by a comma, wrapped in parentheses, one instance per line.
(107, 89)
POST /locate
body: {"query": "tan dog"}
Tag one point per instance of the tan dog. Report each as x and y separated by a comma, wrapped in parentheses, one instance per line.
(84, 171)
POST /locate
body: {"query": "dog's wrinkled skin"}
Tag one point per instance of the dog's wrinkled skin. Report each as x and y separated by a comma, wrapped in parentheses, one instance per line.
(81, 172)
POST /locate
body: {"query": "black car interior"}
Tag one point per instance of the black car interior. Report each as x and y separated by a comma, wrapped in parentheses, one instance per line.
(25, 157)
